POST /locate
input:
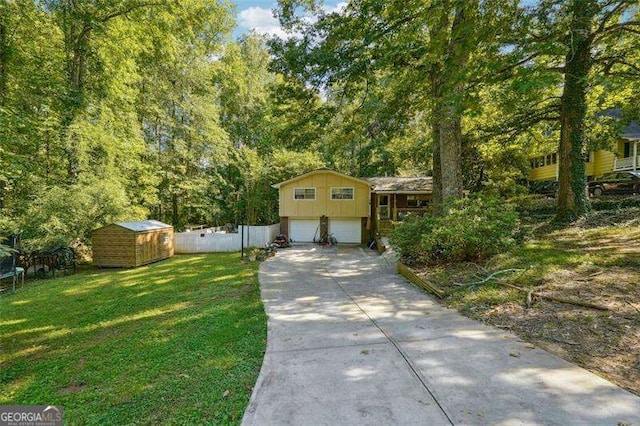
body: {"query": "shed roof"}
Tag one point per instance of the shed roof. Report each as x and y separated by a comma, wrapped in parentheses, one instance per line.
(318, 171)
(420, 184)
(144, 225)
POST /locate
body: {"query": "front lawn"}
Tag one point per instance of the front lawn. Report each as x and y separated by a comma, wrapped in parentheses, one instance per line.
(180, 341)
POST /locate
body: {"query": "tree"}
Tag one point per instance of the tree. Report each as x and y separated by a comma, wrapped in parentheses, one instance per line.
(82, 82)
(572, 197)
(593, 26)
(431, 50)
(580, 40)
(78, 21)
(178, 112)
(243, 79)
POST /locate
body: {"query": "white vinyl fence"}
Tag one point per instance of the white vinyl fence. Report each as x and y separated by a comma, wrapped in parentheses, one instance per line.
(207, 241)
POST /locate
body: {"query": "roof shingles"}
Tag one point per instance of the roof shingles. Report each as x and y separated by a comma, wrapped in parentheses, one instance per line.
(401, 184)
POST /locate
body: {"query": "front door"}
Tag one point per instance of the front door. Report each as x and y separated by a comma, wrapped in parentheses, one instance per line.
(383, 207)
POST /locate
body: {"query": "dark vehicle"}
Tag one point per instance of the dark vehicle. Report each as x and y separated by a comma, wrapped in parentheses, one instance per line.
(616, 183)
(548, 188)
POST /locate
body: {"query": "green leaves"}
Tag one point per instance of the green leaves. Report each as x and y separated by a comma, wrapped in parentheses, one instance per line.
(473, 229)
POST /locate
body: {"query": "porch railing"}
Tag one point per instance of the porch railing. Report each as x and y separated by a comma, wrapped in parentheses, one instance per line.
(626, 163)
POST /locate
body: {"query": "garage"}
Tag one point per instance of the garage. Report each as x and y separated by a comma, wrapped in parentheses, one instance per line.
(346, 230)
(303, 230)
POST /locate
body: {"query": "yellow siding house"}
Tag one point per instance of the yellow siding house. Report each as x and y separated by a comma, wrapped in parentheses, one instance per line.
(323, 202)
(623, 155)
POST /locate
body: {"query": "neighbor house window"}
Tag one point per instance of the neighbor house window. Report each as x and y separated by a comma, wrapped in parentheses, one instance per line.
(342, 193)
(304, 193)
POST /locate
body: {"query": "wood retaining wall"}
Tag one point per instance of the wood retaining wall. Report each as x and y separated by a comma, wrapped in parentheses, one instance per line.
(406, 272)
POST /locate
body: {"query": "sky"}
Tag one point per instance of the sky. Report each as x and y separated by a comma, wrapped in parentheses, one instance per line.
(257, 14)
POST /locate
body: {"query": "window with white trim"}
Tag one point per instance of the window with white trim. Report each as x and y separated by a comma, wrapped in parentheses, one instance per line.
(342, 193)
(304, 193)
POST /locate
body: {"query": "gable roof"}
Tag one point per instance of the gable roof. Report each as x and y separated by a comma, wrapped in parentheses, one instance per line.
(421, 184)
(319, 171)
(144, 225)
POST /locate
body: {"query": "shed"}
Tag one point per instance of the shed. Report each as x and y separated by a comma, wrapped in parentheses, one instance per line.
(132, 244)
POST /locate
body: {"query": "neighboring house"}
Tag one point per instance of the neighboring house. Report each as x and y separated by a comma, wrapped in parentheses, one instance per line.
(623, 155)
(325, 202)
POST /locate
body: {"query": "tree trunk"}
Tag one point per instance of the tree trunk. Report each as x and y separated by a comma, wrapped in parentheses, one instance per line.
(435, 135)
(175, 213)
(448, 96)
(572, 195)
(451, 154)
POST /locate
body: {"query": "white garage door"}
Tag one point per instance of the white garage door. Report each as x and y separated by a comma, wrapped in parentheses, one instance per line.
(303, 230)
(346, 230)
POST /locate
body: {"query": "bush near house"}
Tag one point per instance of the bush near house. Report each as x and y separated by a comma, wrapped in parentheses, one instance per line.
(474, 228)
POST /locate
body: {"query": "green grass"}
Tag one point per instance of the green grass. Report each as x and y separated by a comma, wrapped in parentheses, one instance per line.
(583, 251)
(177, 342)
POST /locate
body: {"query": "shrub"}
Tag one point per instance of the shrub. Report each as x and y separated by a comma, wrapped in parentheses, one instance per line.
(406, 237)
(615, 202)
(534, 205)
(472, 229)
(537, 206)
(63, 214)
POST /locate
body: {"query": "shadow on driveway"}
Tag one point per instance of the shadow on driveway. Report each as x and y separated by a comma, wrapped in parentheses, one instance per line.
(352, 342)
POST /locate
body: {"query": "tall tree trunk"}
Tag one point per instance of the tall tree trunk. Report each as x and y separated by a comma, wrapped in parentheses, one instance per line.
(572, 195)
(448, 96)
(451, 154)
(435, 135)
(76, 71)
(175, 213)
(4, 62)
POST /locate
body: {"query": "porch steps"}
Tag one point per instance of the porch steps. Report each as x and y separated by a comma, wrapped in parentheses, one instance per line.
(385, 227)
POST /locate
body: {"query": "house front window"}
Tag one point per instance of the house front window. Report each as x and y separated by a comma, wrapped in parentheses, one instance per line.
(304, 193)
(417, 201)
(342, 193)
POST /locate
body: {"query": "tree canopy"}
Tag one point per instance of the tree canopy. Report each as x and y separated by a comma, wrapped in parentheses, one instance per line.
(121, 110)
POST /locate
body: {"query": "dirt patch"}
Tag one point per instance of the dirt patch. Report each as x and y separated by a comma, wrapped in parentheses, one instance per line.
(74, 388)
(606, 342)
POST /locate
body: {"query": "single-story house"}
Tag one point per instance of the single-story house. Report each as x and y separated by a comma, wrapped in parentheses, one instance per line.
(324, 202)
(392, 198)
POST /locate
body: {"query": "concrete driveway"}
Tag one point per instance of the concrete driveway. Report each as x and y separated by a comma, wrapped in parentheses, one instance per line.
(351, 342)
